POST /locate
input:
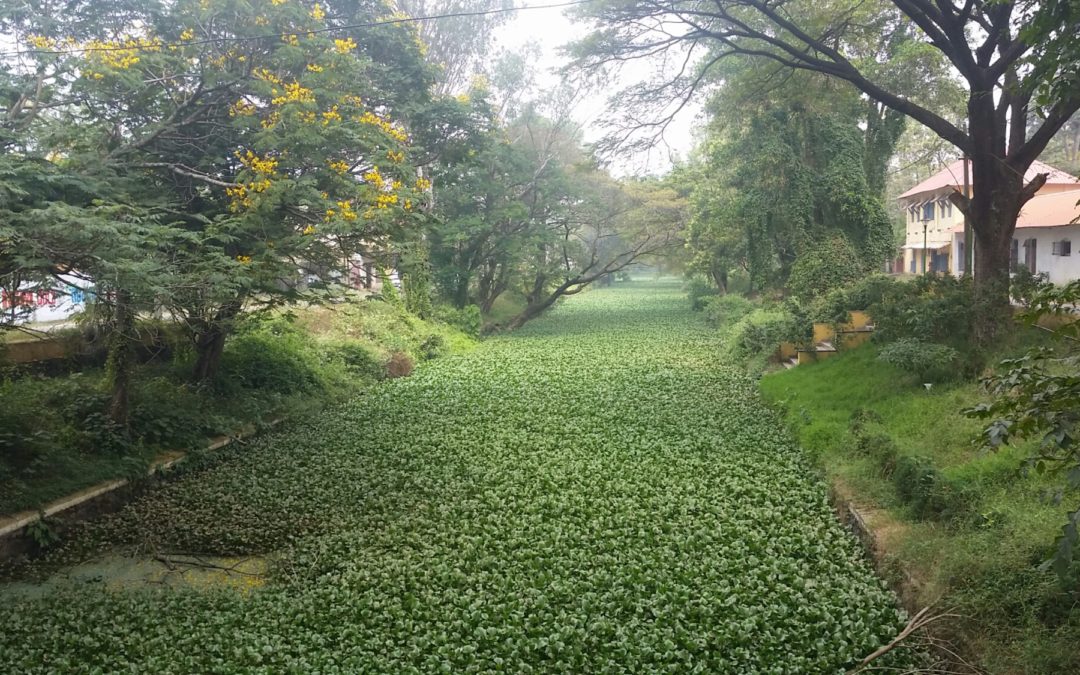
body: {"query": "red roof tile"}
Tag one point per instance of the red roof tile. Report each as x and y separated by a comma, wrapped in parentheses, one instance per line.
(1048, 210)
(953, 176)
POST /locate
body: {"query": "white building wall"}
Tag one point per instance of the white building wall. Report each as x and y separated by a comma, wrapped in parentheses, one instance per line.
(1059, 269)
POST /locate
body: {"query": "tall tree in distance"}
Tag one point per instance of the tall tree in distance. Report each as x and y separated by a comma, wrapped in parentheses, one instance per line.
(459, 41)
(1017, 59)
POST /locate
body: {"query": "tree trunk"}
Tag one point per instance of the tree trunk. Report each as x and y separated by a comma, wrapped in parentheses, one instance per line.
(120, 360)
(210, 344)
(998, 194)
(461, 292)
(720, 278)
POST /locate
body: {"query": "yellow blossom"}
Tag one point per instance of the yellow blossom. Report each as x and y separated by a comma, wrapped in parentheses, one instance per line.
(344, 46)
(187, 34)
(262, 21)
(307, 117)
(374, 177)
(266, 76)
(314, 67)
(275, 3)
(310, 229)
(291, 39)
(395, 156)
(40, 42)
(346, 210)
(266, 166)
(317, 13)
(271, 120)
(295, 93)
(423, 184)
(338, 166)
(241, 108)
(244, 259)
(331, 115)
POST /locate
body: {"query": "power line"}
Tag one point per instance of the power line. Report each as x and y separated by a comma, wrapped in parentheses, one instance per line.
(250, 38)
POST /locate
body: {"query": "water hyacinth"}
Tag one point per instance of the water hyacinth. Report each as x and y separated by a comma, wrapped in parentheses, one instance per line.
(592, 494)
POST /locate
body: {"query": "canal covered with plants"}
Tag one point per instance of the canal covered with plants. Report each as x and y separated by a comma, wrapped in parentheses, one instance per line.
(597, 492)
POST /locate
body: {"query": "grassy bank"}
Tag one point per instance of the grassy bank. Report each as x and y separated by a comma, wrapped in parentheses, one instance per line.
(967, 526)
(54, 438)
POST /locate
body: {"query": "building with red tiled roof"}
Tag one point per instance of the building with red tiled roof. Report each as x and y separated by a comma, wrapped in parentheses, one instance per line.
(934, 229)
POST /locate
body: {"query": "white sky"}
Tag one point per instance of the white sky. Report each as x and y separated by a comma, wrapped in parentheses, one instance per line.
(550, 28)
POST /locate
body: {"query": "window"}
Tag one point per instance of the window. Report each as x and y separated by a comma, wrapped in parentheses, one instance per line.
(1014, 255)
(913, 262)
(1030, 246)
(1062, 248)
(928, 211)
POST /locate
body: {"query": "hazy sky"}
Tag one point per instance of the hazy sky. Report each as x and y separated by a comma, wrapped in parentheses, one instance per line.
(550, 28)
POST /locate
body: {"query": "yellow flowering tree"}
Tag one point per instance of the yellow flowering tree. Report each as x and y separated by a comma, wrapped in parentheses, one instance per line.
(263, 127)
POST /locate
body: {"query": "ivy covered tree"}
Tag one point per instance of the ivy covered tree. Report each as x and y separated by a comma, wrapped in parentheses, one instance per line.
(780, 175)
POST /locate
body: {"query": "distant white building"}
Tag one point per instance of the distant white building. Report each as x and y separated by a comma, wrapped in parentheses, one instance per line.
(1045, 229)
(1045, 234)
(35, 304)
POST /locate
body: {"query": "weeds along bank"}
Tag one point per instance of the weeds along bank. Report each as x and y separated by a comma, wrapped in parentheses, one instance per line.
(593, 493)
(55, 437)
(961, 527)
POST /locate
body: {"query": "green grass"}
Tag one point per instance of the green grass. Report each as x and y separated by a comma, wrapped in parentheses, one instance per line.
(595, 493)
(1018, 619)
(52, 438)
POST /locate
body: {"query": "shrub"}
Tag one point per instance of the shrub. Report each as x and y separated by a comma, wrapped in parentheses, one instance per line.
(1025, 285)
(169, 415)
(359, 359)
(433, 346)
(399, 365)
(722, 310)
(833, 263)
(931, 308)
(272, 356)
(928, 361)
(467, 319)
(869, 291)
(929, 494)
(700, 290)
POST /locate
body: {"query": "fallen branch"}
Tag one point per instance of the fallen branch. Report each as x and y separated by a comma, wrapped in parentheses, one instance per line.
(917, 622)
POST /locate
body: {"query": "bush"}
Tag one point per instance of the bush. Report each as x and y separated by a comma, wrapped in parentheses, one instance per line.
(931, 308)
(831, 264)
(273, 356)
(399, 365)
(929, 493)
(869, 291)
(763, 330)
(700, 290)
(722, 310)
(433, 346)
(1024, 285)
(928, 361)
(467, 319)
(359, 359)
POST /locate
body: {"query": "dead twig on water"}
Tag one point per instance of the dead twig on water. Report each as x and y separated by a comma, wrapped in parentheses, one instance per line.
(922, 619)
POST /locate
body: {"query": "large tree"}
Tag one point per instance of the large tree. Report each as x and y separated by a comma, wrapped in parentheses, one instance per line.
(277, 154)
(1017, 58)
